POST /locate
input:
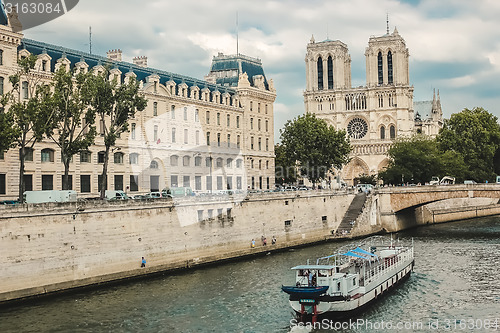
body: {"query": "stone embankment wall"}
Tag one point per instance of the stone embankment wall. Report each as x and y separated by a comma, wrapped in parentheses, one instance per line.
(50, 247)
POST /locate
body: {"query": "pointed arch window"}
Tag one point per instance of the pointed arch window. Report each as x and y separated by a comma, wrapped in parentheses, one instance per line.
(392, 131)
(390, 76)
(380, 69)
(320, 73)
(382, 132)
(330, 73)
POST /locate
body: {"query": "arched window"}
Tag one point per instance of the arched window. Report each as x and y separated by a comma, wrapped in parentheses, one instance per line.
(25, 89)
(47, 155)
(330, 72)
(390, 78)
(218, 162)
(380, 69)
(392, 131)
(118, 158)
(153, 165)
(382, 132)
(186, 161)
(174, 160)
(155, 108)
(320, 73)
(197, 161)
(229, 163)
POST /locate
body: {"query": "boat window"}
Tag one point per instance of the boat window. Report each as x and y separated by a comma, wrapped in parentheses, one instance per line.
(323, 273)
(302, 272)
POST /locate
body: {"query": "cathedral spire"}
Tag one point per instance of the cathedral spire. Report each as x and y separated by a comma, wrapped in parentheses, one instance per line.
(387, 21)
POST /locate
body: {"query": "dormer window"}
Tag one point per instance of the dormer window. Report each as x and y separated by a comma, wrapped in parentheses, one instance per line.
(44, 65)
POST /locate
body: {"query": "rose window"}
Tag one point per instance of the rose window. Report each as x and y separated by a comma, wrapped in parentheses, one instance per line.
(357, 128)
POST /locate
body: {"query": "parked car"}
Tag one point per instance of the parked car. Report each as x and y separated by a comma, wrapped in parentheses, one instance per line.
(469, 182)
(153, 195)
(140, 197)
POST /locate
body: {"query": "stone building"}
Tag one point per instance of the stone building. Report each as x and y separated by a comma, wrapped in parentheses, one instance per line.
(211, 135)
(375, 114)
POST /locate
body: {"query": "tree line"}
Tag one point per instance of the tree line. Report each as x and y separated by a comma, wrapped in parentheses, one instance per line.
(65, 111)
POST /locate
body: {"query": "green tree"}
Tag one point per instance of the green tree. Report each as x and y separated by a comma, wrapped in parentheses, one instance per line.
(475, 134)
(9, 132)
(26, 110)
(315, 146)
(416, 159)
(366, 179)
(72, 128)
(285, 169)
(114, 105)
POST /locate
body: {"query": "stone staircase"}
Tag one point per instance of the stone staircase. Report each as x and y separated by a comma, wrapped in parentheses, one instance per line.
(354, 210)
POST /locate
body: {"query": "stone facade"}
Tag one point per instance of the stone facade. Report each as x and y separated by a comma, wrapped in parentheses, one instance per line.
(375, 114)
(196, 133)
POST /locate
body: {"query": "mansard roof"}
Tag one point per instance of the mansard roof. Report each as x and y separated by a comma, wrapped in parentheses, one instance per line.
(240, 63)
(424, 108)
(75, 56)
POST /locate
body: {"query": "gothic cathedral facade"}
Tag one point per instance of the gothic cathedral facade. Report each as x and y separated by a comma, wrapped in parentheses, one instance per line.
(372, 115)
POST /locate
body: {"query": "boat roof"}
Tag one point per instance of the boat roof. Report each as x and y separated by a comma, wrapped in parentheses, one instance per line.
(314, 267)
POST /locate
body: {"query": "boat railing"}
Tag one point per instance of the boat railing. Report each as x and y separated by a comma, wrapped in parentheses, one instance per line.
(386, 266)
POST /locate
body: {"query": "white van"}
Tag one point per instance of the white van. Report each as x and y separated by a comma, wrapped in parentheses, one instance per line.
(116, 195)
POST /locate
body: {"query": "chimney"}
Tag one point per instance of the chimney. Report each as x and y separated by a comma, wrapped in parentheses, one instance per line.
(141, 61)
(115, 55)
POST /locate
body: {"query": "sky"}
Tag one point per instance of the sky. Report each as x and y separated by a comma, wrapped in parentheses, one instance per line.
(454, 45)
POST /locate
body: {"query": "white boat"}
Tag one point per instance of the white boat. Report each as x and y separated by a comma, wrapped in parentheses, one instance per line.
(341, 284)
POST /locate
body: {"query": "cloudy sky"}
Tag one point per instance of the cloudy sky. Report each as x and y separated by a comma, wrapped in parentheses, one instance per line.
(454, 44)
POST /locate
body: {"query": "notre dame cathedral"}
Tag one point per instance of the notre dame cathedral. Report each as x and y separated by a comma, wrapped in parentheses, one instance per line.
(373, 115)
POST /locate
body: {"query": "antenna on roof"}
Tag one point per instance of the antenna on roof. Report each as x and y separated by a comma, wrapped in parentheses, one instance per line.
(237, 41)
(327, 31)
(387, 22)
(90, 39)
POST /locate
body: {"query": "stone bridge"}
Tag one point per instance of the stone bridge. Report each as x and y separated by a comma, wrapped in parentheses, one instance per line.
(398, 206)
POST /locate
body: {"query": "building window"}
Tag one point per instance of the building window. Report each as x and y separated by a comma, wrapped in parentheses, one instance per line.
(85, 184)
(258, 107)
(197, 138)
(267, 144)
(1, 85)
(155, 108)
(392, 131)
(251, 142)
(197, 183)
(258, 124)
(174, 160)
(47, 155)
(380, 68)
(238, 143)
(208, 162)
(239, 163)
(218, 162)
(237, 121)
(3, 185)
(28, 154)
(251, 106)
(229, 182)
(118, 182)
(260, 144)
(101, 127)
(134, 158)
(320, 73)
(28, 182)
(251, 123)
(218, 139)
(267, 183)
(85, 156)
(185, 113)
(228, 119)
(267, 164)
(330, 72)
(2, 154)
(197, 115)
(186, 136)
(186, 161)
(118, 158)
(208, 138)
(218, 118)
(133, 132)
(153, 165)
(197, 161)
(208, 117)
(267, 125)
(134, 183)
(172, 112)
(229, 140)
(186, 181)
(100, 156)
(47, 182)
(173, 135)
(25, 89)
(390, 77)
(155, 133)
(229, 163)
(200, 215)
(1, 57)
(174, 182)
(239, 184)
(219, 183)
(266, 108)
(382, 132)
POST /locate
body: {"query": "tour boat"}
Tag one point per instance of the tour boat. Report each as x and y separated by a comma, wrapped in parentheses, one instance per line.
(341, 284)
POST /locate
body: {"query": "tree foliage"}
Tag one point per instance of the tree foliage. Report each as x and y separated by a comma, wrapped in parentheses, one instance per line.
(366, 179)
(416, 159)
(285, 169)
(315, 146)
(72, 128)
(475, 134)
(114, 104)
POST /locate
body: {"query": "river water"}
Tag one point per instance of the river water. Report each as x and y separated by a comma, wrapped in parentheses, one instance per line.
(455, 285)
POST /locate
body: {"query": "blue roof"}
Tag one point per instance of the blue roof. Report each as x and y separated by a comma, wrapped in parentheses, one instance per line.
(240, 63)
(3, 15)
(57, 52)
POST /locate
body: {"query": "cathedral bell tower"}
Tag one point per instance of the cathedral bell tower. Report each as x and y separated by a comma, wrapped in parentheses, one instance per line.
(387, 61)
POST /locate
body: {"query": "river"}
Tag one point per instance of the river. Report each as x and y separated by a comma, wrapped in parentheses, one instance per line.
(455, 283)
